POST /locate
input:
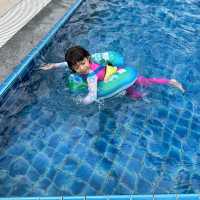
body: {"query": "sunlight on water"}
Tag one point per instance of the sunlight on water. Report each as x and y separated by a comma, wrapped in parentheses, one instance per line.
(51, 144)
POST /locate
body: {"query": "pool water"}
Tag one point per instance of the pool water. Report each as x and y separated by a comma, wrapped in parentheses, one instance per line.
(51, 145)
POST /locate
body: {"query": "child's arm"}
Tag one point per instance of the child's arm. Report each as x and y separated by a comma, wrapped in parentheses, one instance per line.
(54, 65)
(92, 87)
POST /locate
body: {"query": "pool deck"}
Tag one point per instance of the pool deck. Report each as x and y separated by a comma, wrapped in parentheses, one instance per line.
(16, 48)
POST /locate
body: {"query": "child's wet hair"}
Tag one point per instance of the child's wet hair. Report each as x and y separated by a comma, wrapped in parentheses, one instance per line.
(74, 55)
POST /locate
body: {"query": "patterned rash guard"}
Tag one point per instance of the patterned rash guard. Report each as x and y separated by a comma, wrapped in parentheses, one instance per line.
(91, 81)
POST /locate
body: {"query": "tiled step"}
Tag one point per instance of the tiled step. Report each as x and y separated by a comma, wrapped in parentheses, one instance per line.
(14, 14)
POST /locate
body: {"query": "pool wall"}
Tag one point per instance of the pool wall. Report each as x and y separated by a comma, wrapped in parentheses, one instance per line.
(23, 69)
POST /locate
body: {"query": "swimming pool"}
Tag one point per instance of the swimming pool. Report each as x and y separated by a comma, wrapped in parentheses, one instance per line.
(52, 146)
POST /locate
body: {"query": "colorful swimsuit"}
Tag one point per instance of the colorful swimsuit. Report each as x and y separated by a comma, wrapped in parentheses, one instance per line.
(97, 73)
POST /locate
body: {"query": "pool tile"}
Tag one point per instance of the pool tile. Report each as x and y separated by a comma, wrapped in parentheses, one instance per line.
(74, 198)
(141, 197)
(50, 198)
(84, 172)
(96, 198)
(119, 197)
(188, 197)
(96, 181)
(77, 187)
(165, 197)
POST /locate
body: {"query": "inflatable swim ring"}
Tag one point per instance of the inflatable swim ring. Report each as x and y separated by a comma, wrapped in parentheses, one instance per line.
(109, 57)
(118, 82)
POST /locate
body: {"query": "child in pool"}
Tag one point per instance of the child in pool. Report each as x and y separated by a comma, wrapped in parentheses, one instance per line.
(79, 61)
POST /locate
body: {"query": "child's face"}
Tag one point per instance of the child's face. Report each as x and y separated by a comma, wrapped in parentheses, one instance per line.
(82, 67)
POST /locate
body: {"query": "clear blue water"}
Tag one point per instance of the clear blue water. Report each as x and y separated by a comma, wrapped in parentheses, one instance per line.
(49, 145)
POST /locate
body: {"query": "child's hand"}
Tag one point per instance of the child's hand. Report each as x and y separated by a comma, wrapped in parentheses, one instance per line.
(47, 66)
(176, 84)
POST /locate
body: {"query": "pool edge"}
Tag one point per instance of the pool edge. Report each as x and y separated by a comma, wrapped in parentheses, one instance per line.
(114, 197)
(21, 69)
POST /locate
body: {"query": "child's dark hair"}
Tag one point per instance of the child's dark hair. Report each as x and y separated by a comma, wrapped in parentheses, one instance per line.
(75, 54)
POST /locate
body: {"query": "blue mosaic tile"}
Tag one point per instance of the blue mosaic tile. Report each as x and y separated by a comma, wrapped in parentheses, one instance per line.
(77, 187)
(51, 172)
(5, 161)
(174, 156)
(100, 146)
(116, 171)
(40, 163)
(159, 148)
(80, 150)
(54, 191)
(105, 164)
(84, 172)
(44, 183)
(195, 181)
(49, 151)
(195, 126)
(96, 181)
(4, 189)
(64, 149)
(111, 152)
(92, 158)
(126, 148)
(121, 159)
(54, 141)
(57, 158)
(183, 122)
(142, 142)
(21, 187)
(88, 190)
(38, 144)
(85, 139)
(33, 174)
(129, 179)
(18, 167)
(143, 187)
(149, 174)
(17, 150)
(116, 141)
(134, 165)
(61, 180)
(70, 164)
(122, 190)
(195, 135)
(110, 185)
(176, 142)
(181, 132)
(186, 114)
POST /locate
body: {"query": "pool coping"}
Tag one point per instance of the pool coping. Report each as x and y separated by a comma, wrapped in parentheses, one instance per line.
(23, 11)
(22, 68)
(115, 197)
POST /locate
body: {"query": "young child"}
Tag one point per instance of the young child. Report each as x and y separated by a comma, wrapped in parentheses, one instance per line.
(79, 61)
